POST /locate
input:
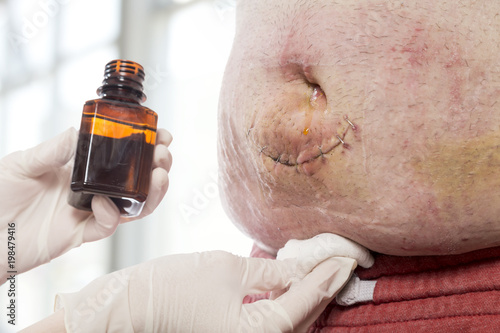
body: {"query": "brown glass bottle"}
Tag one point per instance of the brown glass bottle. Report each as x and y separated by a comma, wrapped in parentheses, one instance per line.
(114, 154)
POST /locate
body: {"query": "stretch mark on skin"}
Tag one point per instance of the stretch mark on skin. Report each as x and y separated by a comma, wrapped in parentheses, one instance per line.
(321, 153)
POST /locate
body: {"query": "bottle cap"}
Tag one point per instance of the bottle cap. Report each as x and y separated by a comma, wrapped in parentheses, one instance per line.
(123, 74)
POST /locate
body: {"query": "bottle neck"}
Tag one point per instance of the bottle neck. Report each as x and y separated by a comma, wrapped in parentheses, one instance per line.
(123, 94)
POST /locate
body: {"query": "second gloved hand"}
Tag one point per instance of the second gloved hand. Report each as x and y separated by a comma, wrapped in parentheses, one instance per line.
(34, 186)
(204, 292)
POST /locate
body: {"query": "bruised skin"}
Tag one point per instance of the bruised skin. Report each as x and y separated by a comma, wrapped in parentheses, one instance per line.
(375, 120)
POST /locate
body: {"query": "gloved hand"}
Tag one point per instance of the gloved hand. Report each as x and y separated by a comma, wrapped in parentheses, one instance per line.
(34, 186)
(203, 292)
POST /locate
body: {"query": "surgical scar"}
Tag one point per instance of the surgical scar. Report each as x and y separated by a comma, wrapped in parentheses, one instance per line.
(340, 141)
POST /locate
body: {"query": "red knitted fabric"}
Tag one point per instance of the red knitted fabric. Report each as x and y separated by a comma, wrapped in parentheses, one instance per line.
(459, 293)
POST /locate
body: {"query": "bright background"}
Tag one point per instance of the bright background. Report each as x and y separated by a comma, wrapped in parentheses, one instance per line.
(52, 56)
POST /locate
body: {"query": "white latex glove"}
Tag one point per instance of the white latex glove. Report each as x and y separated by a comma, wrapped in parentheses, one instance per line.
(203, 292)
(34, 186)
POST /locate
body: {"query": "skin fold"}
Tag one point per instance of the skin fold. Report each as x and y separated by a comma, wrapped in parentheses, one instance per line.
(375, 120)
